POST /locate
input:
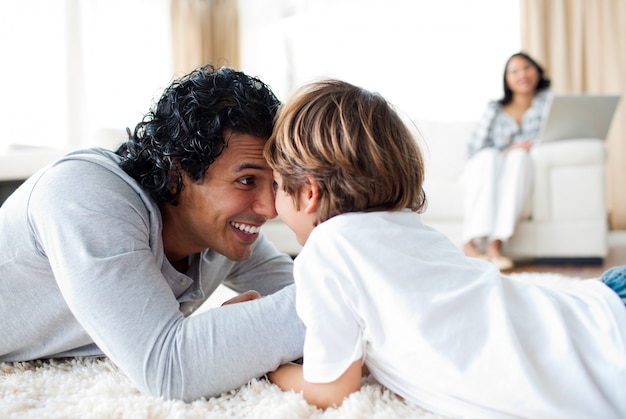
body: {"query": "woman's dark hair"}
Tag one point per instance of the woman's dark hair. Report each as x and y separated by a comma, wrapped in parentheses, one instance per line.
(543, 82)
(185, 129)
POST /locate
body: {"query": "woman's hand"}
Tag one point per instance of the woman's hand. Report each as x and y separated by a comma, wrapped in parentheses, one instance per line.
(524, 145)
(244, 296)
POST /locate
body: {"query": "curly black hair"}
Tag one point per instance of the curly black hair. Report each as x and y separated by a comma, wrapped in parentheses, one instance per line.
(185, 129)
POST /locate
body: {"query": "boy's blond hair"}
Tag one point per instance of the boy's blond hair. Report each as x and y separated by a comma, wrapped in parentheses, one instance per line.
(353, 144)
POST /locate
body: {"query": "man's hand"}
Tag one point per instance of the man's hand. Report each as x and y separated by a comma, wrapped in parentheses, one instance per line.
(244, 296)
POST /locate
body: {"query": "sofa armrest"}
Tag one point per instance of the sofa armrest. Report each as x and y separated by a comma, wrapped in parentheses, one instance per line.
(569, 182)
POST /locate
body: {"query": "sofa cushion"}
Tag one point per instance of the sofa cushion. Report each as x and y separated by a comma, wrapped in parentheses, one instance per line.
(444, 200)
(444, 145)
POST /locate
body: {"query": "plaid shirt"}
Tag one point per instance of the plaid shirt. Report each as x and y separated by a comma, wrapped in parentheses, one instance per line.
(498, 129)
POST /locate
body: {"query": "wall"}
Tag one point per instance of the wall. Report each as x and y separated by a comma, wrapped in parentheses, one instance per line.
(433, 59)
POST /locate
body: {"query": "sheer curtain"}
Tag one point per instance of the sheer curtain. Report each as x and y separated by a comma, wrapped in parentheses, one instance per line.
(438, 60)
(583, 46)
(77, 73)
(204, 31)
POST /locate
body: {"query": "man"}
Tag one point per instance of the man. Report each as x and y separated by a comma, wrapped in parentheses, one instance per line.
(108, 253)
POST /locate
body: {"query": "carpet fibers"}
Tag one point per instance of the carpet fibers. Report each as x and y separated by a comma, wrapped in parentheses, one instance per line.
(95, 388)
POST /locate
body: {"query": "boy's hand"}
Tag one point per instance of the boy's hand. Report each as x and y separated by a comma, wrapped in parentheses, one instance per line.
(323, 395)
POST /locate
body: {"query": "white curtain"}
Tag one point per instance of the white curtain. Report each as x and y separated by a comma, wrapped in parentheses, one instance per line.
(76, 70)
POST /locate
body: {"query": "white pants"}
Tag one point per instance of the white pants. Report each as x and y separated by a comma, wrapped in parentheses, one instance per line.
(498, 193)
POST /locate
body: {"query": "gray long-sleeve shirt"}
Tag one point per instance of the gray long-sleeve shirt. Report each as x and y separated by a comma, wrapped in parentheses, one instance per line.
(83, 272)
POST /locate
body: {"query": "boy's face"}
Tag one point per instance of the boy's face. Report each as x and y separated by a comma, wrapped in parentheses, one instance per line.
(299, 220)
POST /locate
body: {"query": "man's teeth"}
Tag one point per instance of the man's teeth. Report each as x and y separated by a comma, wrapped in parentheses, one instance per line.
(246, 228)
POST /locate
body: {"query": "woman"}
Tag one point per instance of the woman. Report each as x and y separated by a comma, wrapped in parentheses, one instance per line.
(498, 175)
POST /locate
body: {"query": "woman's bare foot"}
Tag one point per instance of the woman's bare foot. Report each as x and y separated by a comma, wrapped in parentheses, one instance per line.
(471, 250)
(494, 252)
(494, 249)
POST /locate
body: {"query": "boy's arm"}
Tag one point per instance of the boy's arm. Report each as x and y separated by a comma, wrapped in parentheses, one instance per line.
(323, 395)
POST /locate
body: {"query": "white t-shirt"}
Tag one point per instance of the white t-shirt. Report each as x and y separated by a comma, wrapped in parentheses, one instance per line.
(450, 332)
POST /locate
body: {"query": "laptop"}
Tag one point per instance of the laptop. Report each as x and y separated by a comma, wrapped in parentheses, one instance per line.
(571, 116)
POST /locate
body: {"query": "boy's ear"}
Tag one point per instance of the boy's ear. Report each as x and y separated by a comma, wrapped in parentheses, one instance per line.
(310, 195)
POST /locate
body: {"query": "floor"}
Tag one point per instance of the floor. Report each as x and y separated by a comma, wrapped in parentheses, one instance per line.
(616, 256)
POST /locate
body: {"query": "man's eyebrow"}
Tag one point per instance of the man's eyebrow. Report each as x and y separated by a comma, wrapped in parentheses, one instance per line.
(254, 166)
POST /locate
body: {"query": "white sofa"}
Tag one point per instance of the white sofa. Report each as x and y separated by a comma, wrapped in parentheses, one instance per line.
(569, 214)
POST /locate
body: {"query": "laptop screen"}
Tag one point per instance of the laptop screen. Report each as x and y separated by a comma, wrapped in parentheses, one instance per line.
(575, 116)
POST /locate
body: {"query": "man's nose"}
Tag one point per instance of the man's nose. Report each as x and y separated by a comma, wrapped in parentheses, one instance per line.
(265, 203)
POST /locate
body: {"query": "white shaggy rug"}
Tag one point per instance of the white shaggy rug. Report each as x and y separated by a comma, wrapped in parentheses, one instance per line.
(95, 388)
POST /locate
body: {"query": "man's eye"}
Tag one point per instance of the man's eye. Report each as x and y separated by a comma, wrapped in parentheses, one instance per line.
(246, 181)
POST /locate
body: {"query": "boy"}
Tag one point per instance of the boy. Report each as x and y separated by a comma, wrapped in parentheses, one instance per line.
(377, 288)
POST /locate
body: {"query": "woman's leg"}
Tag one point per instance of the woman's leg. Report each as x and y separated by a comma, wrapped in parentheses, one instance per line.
(480, 179)
(512, 203)
(514, 193)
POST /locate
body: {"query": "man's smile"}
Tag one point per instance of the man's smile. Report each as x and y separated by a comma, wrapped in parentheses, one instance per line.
(246, 228)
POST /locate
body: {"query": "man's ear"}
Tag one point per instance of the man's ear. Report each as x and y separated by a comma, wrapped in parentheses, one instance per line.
(310, 195)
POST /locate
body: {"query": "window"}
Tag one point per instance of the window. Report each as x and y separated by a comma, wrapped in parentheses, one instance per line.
(33, 109)
(77, 73)
(439, 59)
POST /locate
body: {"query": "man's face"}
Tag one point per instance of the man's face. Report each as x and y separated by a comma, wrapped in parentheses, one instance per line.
(226, 209)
